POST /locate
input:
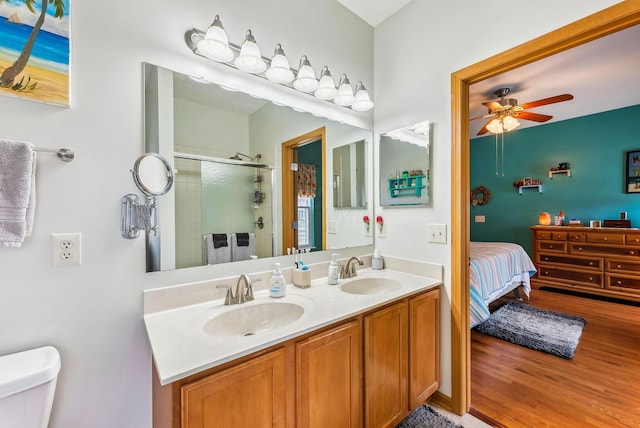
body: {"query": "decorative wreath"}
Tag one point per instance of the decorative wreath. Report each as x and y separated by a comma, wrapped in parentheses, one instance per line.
(480, 195)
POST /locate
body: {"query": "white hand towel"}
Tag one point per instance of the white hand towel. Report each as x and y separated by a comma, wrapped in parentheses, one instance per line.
(17, 191)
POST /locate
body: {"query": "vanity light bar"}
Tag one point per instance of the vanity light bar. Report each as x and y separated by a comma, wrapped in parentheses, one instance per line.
(358, 101)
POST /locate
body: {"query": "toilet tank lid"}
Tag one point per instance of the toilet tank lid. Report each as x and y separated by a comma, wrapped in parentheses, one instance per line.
(28, 369)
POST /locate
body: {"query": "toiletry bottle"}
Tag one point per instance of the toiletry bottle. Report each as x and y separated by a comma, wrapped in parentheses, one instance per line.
(277, 286)
(332, 277)
(376, 261)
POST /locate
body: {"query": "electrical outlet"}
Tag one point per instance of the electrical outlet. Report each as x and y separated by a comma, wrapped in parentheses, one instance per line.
(438, 233)
(381, 230)
(479, 219)
(66, 249)
(368, 230)
(332, 227)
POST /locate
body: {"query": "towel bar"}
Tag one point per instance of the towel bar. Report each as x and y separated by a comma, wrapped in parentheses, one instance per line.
(65, 155)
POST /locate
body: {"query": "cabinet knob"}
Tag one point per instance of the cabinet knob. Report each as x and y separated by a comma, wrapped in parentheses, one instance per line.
(579, 248)
(546, 272)
(605, 238)
(590, 278)
(619, 282)
(619, 266)
(550, 246)
(590, 263)
(632, 252)
(546, 259)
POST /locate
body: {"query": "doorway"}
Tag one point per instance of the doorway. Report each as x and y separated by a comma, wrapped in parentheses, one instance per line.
(605, 22)
(304, 210)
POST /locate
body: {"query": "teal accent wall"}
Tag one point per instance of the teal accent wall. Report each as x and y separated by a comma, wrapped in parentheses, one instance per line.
(594, 146)
(311, 154)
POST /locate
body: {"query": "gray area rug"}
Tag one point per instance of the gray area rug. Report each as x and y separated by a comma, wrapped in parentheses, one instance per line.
(525, 325)
(425, 416)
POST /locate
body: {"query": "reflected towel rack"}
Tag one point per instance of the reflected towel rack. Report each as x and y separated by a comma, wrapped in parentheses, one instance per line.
(64, 155)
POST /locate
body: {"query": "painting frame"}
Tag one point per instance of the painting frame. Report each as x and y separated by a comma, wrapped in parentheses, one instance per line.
(632, 171)
(35, 51)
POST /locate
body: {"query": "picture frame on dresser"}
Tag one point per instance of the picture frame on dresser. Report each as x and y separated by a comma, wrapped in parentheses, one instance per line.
(632, 174)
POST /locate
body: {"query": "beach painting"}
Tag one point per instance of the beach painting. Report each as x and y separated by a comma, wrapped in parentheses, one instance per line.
(35, 50)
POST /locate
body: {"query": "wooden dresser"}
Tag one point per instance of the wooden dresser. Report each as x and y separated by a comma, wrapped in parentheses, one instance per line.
(604, 261)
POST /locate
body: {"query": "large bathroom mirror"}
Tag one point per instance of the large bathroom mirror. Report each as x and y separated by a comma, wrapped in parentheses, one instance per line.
(405, 176)
(349, 179)
(226, 149)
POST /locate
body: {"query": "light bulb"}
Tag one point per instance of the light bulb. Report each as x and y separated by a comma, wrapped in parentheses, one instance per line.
(362, 102)
(345, 92)
(250, 60)
(326, 87)
(215, 44)
(306, 79)
(279, 71)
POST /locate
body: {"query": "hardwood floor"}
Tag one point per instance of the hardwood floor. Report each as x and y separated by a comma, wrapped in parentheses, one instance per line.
(599, 387)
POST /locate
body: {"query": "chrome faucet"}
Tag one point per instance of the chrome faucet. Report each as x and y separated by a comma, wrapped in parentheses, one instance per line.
(349, 270)
(242, 294)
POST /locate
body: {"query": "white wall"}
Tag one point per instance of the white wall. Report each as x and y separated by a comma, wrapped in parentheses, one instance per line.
(415, 51)
(93, 313)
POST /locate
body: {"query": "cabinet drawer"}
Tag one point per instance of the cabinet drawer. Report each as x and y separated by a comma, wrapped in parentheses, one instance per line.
(556, 247)
(558, 236)
(608, 238)
(576, 236)
(622, 266)
(632, 239)
(543, 235)
(604, 250)
(587, 262)
(590, 279)
(630, 284)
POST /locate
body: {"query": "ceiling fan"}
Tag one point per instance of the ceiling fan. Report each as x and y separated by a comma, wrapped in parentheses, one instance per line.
(506, 110)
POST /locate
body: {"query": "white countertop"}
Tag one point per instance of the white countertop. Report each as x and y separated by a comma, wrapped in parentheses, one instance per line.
(181, 347)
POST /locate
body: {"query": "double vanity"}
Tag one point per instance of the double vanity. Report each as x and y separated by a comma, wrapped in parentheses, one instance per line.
(364, 352)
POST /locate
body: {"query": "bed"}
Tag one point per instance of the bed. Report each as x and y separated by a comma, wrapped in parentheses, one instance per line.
(495, 269)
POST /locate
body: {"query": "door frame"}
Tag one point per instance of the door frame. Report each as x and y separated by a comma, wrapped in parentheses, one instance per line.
(615, 18)
(288, 182)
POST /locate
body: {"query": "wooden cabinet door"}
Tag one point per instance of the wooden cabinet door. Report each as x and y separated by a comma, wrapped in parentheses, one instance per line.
(386, 366)
(251, 394)
(424, 347)
(329, 378)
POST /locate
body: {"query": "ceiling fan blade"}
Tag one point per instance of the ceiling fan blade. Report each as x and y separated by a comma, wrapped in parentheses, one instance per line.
(526, 115)
(493, 106)
(545, 101)
(484, 129)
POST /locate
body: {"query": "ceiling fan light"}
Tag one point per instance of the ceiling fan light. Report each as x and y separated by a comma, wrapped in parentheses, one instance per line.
(306, 79)
(279, 71)
(250, 60)
(495, 126)
(361, 102)
(345, 92)
(510, 123)
(326, 86)
(215, 44)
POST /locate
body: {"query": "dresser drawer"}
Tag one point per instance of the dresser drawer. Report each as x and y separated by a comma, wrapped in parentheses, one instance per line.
(590, 279)
(543, 235)
(586, 262)
(556, 247)
(577, 236)
(629, 284)
(558, 236)
(632, 239)
(606, 238)
(622, 266)
(609, 250)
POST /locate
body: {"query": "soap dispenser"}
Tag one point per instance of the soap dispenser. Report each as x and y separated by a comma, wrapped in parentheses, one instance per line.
(277, 286)
(332, 277)
(376, 261)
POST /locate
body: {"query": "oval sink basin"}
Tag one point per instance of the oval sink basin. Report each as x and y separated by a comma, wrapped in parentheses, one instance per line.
(251, 320)
(370, 286)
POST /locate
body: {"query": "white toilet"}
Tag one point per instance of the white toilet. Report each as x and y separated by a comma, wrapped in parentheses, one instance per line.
(27, 386)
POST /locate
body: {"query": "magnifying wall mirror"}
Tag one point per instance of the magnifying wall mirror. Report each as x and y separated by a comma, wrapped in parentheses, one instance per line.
(206, 131)
(152, 174)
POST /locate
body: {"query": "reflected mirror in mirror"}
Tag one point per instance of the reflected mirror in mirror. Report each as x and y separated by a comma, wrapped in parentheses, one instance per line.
(404, 166)
(349, 175)
(152, 174)
(226, 147)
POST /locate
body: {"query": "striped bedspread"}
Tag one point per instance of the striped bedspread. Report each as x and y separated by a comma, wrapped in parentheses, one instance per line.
(495, 268)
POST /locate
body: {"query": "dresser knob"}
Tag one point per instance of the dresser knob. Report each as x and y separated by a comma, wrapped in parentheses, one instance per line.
(590, 278)
(619, 282)
(550, 246)
(579, 248)
(632, 252)
(546, 259)
(619, 266)
(590, 263)
(605, 238)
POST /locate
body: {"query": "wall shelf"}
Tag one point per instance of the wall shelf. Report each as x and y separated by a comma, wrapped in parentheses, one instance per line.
(406, 186)
(560, 171)
(530, 186)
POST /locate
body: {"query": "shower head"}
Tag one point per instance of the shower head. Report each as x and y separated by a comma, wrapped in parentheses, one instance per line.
(236, 156)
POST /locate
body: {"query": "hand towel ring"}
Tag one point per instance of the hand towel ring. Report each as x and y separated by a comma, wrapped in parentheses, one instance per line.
(152, 174)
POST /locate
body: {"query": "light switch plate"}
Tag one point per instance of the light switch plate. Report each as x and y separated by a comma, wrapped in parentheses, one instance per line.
(332, 227)
(479, 219)
(437, 233)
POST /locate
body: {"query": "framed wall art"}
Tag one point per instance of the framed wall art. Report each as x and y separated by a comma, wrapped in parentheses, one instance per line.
(35, 50)
(632, 176)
